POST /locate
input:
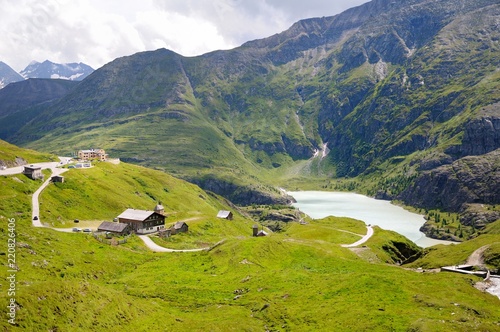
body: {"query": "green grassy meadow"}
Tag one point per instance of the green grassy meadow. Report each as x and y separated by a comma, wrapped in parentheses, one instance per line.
(300, 279)
(9, 153)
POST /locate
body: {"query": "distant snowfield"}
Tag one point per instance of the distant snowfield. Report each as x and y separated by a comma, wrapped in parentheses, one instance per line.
(71, 78)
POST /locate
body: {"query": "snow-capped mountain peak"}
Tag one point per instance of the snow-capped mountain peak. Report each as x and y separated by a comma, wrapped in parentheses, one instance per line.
(48, 69)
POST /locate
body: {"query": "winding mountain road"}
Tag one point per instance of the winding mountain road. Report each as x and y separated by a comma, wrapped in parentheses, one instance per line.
(54, 167)
(56, 170)
(35, 203)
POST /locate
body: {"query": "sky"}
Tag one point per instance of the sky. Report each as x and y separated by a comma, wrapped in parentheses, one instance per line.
(97, 31)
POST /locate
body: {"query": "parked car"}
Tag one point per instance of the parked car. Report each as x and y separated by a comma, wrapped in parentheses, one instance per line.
(87, 230)
(35, 218)
(75, 229)
(76, 220)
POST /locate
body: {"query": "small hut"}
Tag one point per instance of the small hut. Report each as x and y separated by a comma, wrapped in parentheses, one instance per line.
(256, 232)
(57, 178)
(179, 227)
(228, 215)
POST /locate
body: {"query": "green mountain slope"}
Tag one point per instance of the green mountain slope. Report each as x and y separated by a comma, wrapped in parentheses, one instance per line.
(11, 155)
(301, 279)
(385, 91)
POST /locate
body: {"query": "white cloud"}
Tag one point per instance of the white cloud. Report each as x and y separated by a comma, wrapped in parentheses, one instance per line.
(96, 32)
(185, 35)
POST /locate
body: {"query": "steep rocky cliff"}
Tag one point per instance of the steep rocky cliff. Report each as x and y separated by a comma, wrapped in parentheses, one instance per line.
(472, 179)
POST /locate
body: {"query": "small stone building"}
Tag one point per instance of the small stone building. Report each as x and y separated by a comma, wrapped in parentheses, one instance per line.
(179, 227)
(165, 233)
(33, 172)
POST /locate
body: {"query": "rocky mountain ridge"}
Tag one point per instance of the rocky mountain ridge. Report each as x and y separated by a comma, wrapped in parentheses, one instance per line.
(46, 69)
(394, 90)
(8, 75)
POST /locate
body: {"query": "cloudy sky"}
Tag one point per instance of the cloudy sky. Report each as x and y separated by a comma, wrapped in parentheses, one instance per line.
(97, 31)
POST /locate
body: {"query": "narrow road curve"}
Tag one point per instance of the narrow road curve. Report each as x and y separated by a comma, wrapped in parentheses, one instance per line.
(369, 233)
(156, 248)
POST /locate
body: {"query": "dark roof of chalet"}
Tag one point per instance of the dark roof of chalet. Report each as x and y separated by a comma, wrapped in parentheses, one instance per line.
(114, 227)
(179, 224)
(58, 176)
(223, 214)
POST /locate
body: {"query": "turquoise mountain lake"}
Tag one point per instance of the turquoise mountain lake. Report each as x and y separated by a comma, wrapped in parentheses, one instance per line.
(320, 204)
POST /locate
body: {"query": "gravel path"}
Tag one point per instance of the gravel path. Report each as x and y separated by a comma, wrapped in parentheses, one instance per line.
(369, 233)
(156, 248)
(476, 258)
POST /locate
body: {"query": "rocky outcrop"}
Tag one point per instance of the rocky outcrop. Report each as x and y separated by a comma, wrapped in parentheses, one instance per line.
(239, 194)
(472, 179)
(430, 231)
(17, 162)
(481, 135)
(476, 216)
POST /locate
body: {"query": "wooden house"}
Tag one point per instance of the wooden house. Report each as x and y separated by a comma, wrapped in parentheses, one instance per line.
(114, 227)
(142, 221)
(225, 215)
